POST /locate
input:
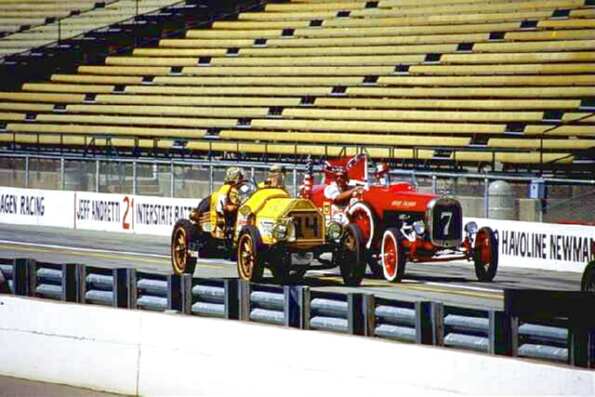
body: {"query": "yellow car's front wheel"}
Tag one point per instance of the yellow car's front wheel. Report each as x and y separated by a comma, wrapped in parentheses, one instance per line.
(250, 258)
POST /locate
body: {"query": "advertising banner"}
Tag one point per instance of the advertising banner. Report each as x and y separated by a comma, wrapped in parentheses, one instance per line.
(36, 207)
(104, 212)
(548, 246)
(157, 215)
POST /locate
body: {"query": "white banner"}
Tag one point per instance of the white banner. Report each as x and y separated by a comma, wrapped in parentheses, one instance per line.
(548, 246)
(36, 207)
(104, 212)
(157, 215)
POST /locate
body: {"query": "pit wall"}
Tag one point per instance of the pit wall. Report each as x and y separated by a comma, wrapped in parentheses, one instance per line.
(134, 352)
(535, 245)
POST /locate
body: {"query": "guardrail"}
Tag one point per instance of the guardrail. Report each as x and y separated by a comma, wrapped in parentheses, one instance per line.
(556, 326)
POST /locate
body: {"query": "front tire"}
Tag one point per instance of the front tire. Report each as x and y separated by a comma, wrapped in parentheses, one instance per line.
(485, 254)
(392, 256)
(350, 256)
(363, 216)
(588, 280)
(183, 234)
(250, 256)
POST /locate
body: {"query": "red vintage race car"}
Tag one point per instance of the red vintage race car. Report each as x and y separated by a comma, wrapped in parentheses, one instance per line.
(398, 224)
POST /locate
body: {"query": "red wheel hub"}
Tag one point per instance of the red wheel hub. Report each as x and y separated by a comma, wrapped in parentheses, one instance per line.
(390, 256)
(485, 248)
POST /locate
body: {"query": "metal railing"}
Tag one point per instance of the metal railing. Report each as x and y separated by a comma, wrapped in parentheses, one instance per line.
(563, 199)
(555, 326)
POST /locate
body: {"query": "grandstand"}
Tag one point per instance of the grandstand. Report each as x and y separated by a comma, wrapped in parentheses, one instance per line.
(508, 85)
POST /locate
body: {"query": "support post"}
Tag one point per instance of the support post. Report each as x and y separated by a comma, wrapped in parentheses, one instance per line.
(244, 300)
(96, 176)
(186, 291)
(486, 197)
(62, 181)
(578, 346)
(305, 299)
(355, 318)
(423, 323)
(134, 178)
(26, 171)
(231, 299)
(437, 310)
(174, 292)
(120, 288)
(132, 288)
(172, 181)
(69, 282)
(369, 310)
(211, 176)
(20, 276)
(500, 333)
(292, 308)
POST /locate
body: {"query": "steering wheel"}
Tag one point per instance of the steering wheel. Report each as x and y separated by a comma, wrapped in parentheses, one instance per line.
(245, 190)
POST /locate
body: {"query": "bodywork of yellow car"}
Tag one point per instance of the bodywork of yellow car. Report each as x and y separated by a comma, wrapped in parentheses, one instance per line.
(279, 218)
(268, 209)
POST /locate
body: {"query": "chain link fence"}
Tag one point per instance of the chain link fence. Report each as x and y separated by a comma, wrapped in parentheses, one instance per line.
(520, 198)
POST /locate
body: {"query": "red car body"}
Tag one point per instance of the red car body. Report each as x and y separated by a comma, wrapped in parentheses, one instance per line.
(398, 224)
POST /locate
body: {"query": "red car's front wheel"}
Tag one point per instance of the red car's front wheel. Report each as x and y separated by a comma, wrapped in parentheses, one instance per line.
(392, 255)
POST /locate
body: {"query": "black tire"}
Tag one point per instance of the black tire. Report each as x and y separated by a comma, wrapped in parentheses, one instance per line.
(392, 255)
(250, 254)
(588, 280)
(350, 256)
(485, 254)
(183, 234)
(375, 267)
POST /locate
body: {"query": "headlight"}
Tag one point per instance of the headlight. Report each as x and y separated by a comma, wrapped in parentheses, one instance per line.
(471, 228)
(419, 227)
(334, 231)
(280, 231)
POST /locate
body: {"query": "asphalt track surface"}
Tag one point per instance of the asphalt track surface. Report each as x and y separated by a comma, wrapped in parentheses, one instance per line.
(453, 283)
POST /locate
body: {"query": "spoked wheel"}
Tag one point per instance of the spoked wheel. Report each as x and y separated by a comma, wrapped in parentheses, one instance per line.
(181, 261)
(392, 255)
(350, 256)
(588, 280)
(485, 254)
(250, 261)
(363, 216)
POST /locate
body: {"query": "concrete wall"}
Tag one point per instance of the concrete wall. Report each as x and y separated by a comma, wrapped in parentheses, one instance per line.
(135, 352)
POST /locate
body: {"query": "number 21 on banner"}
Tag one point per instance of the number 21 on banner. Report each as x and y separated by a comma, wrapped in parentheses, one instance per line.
(129, 204)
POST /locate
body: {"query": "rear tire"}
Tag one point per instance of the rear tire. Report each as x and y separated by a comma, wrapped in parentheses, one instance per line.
(350, 256)
(485, 254)
(393, 256)
(183, 234)
(250, 255)
(588, 280)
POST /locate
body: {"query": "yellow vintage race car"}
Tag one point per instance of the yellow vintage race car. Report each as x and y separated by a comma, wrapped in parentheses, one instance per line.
(270, 230)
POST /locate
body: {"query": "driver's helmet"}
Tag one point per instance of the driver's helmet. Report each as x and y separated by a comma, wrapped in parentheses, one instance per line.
(277, 173)
(339, 172)
(233, 175)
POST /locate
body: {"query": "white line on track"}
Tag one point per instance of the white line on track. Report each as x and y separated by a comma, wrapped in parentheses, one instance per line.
(103, 251)
(467, 287)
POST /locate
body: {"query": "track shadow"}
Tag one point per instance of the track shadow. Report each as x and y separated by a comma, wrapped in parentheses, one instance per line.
(309, 281)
